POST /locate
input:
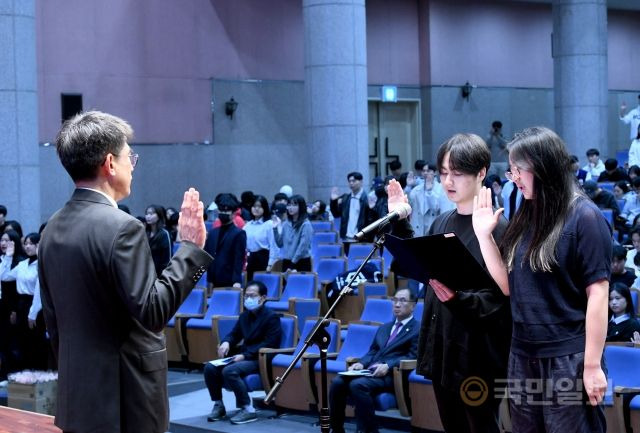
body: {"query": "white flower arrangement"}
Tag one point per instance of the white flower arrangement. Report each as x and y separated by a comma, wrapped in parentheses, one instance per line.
(29, 377)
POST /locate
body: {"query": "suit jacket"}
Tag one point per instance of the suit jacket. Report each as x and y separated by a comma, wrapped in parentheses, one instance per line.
(342, 211)
(105, 311)
(226, 269)
(253, 331)
(403, 346)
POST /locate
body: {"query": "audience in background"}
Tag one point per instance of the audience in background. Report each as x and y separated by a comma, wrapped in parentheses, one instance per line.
(158, 237)
(619, 274)
(262, 250)
(595, 166)
(623, 325)
(294, 236)
(613, 173)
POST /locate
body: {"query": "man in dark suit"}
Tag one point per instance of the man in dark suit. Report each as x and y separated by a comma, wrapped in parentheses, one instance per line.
(227, 244)
(103, 306)
(393, 342)
(257, 327)
(352, 208)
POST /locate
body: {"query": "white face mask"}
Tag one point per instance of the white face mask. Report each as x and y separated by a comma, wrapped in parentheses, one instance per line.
(251, 303)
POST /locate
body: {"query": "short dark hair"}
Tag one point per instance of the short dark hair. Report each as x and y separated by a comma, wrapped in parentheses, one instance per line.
(87, 138)
(395, 165)
(624, 186)
(247, 198)
(280, 196)
(355, 174)
(468, 153)
(496, 124)
(611, 164)
(3, 210)
(593, 151)
(226, 202)
(574, 159)
(634, 169)
(419, 164)
(33, 237)
(262, 288)
(412, 296)
(619, 252)
(635, 182)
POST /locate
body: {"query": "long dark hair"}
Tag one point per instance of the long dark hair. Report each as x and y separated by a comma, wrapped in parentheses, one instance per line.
(302, 210)
(162, 217)
(623, 290)
(19, 254)
(542, 152)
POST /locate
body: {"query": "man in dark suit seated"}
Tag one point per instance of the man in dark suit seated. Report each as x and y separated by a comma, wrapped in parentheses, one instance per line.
(257, 327)
(393, 342)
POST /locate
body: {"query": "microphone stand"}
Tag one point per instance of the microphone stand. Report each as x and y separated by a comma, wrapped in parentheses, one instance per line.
(321, 338)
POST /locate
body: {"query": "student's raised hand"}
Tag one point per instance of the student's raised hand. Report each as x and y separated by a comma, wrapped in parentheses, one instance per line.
(191, 222)
(11, 248)
(396, 195)
(484, 219)
(334, 193)
(636, 337)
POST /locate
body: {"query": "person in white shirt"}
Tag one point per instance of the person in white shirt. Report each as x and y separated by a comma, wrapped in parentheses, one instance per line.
(425, 200)
(632, 118)
(595, 166)
(634, 150)
(30, 329)
(262, 250)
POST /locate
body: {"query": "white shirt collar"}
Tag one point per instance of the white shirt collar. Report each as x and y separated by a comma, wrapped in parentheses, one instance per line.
(111, 200)
(620, 319)
(405, 321)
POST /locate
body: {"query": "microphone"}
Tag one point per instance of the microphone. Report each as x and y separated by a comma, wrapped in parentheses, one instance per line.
(402, 211)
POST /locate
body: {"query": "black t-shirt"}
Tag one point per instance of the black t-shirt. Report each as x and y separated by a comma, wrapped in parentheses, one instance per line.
(549, 308)
(627, 278)
(622, 331)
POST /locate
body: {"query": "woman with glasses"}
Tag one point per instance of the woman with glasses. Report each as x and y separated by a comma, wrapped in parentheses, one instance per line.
(554, 262)
(464, 334)
(294, 236)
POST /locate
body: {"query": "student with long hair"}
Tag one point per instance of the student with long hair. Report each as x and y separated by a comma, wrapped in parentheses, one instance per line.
(262, 250)
(158, 236)
(464, 333)
(294, 236)
(554, 262)
(623, 324)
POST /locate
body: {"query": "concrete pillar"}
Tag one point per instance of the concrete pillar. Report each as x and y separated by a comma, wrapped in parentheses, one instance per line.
(580, 74)
(335, 93)
(19, 161)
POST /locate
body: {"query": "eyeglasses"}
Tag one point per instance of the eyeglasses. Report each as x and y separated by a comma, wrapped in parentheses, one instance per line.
(512, 174)
(133, 157)
(403, 301)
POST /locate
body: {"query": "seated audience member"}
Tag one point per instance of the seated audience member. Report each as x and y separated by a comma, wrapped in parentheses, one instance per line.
(623, 324)
(294, 236)
(319, 212)
(595, 165)
(226, 244)
(257, 327)
(634, 235)
(393, 342)
(581, 175)
(619, 274)
(622, 191)
(613, 173)
(634, 171)
(602, 198)
(631, 208)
